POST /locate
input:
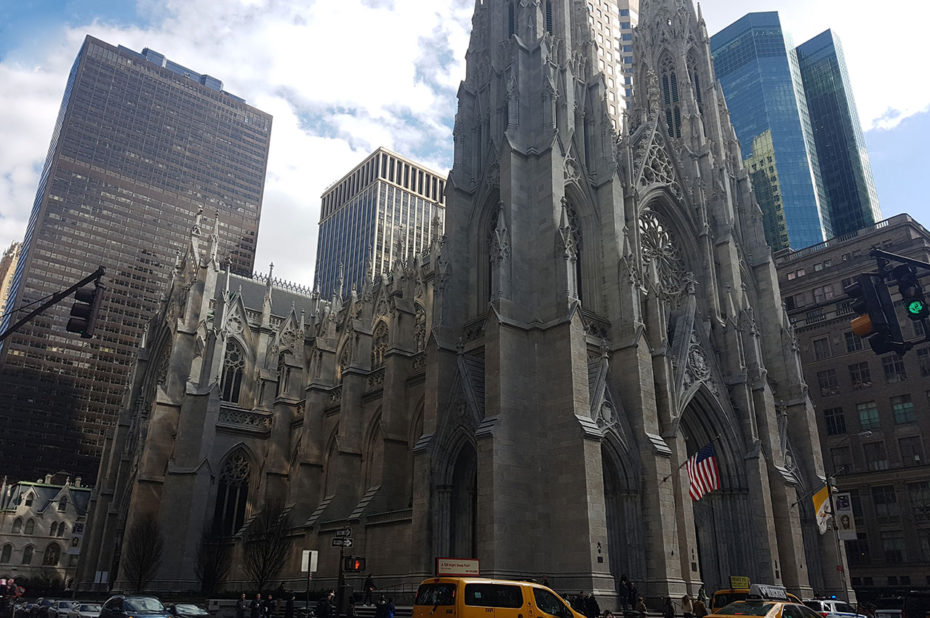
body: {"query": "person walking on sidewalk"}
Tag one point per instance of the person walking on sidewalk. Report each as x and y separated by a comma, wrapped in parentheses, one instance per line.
(369, 590)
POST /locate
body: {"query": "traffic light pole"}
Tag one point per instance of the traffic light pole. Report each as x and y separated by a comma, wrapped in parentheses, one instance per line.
(879, 253)
(95, 276)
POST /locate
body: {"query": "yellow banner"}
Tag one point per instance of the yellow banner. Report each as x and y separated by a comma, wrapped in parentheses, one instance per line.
(822, 508)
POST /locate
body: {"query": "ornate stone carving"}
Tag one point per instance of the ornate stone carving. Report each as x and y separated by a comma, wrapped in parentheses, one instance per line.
(659, 249)
(420, 327)
(245, 418)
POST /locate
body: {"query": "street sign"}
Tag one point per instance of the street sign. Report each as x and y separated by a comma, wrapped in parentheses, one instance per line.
(342, 541)
(308, 561)
(344, 532)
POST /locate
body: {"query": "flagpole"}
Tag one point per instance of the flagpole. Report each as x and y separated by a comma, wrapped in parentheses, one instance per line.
(685, 462)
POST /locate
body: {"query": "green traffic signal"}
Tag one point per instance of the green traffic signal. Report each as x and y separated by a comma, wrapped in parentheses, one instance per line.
(916, 307)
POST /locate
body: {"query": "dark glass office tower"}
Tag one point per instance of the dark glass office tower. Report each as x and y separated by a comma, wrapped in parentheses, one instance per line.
(762, 87)
(141, 145)
(844, 161)
(385, 209)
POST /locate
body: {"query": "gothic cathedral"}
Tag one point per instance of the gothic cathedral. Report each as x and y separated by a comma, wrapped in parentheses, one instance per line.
(602, 305)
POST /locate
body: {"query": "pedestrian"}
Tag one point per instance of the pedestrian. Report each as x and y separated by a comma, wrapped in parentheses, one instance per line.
(324, 607)
(608, 614)
(687, 607)
(623, 593)
(640, 607)
(255, 607)
(632, 594)
(381, 608)
(390, 608)
(241, 605)
(591, 608)
(669, 610)
(700, 609)
(369, 589)
(702, 595)
(545, 582)
(271, 607)
(577, 602)
(289, 607)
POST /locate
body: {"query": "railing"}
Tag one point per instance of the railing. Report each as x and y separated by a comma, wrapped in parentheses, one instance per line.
(245, 419)
(781, 258)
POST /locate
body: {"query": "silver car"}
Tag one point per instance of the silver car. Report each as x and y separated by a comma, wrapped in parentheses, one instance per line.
(60, 608)
(833, 608)
(85, 610)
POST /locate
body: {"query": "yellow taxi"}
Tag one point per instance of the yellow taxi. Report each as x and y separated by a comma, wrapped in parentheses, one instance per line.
(475, 597)
(766, 602)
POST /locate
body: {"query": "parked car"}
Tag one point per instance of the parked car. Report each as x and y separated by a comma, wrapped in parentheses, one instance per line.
(187, 610)
(85, 610)
(40, 609)
(59, 609)
(126, 606)
(23, 609)
(833, 608)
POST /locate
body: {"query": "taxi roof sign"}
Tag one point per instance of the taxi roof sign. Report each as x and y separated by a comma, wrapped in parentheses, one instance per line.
(767, 591)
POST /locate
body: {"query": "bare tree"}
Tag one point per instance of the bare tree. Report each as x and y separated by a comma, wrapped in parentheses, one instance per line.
(142, 552)
(213, 562)
(267, 544)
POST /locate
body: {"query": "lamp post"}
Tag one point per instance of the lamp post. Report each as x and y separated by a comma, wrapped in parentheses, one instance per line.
(831, 479)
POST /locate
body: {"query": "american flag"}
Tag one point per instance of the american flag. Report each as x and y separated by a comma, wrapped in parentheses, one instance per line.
(702, 472)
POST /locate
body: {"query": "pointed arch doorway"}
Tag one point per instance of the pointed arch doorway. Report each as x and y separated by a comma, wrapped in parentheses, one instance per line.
(722, 518)
(463, 504)
(623, 511)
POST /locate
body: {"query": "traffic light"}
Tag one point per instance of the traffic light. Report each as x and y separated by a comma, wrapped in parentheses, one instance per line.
(911, 292)
(84, 310)
(354, 564)
(877, 319)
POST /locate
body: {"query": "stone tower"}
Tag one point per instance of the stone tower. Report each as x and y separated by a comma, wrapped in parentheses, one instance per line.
(608, 306)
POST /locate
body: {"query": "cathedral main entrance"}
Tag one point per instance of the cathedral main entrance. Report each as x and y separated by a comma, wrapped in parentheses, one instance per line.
(722, 518)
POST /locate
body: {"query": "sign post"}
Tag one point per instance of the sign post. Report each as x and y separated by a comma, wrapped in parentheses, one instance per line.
(308, 561)
(342, 540)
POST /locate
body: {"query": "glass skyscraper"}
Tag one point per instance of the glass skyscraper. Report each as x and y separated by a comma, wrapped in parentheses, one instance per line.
(844, 161)
(140, 147)
(387, 208)
(762, 86)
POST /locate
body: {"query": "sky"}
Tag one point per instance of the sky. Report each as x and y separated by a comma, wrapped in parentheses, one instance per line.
(343, 77)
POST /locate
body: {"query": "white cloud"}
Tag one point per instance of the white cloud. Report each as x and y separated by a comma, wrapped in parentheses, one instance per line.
(342, 77)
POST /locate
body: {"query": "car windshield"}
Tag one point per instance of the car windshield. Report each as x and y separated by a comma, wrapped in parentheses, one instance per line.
(89, 608)
(745, 609)
(143, 604)
(846, 608)
(186, 608)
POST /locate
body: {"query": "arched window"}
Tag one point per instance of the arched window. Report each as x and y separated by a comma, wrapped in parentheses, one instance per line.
(232, 495)
(52, 555)
(6, 554)
(30, 527)
(670, 98)
(63, 504)
(284, 373)
(549, 16)
(62, 528)
(511, 20)
(233, 365)
(53, 531)
(27, 555)
(379, 344)
(17, 525)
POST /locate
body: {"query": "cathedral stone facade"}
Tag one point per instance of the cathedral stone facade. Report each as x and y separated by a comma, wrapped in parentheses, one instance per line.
(602, 305)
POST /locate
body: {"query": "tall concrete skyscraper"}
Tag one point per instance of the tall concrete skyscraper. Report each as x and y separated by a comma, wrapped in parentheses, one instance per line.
(143, 150)
(844, 161)
(759, 74)
(385, 209)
